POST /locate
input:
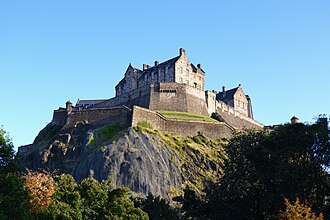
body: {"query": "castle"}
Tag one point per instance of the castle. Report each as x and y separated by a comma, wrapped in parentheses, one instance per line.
(173, 85)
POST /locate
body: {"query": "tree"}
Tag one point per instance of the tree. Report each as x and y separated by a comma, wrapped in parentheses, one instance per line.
(13, 196)
(298, 211)
(98, 202)
(157, 208)
(263, 166)
(40, 186)
(66, 200)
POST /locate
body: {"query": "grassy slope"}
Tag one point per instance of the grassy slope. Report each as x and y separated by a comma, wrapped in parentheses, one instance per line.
(200, 159)
(186, 116)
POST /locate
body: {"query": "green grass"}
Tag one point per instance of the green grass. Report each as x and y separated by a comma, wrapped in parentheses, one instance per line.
(144, 124)
(186, 116)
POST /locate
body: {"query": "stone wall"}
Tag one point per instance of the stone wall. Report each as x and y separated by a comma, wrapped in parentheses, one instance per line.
(59, 117)
(177, 97)
(231, 115)
(94, 116)
(140, 97)
(184, 72)
(211, 130)
(142, 114)
(236, 118)
(100, 116)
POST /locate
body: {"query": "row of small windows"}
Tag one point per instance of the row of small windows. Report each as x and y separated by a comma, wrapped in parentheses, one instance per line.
(153, 74)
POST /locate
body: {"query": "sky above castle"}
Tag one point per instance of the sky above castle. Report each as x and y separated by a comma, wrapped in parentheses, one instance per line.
(54, 51)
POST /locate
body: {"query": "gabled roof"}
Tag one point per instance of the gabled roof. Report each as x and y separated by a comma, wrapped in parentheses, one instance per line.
(161, 65)
(227, 95)
(124, 79)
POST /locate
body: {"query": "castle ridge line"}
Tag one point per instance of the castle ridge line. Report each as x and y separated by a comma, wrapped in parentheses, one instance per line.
(173, 85)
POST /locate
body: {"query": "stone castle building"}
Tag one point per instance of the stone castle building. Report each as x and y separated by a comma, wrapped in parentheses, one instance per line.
(174, 85)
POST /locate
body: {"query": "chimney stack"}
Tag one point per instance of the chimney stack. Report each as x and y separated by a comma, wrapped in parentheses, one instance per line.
(156, 63)
(182, 51)
(199, 66)
(223, 88)
(145, 67)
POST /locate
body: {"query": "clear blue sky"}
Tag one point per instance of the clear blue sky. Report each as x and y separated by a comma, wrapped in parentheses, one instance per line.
(53, 51)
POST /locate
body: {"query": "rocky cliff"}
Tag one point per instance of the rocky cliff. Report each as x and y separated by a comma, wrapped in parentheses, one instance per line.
(140, 158)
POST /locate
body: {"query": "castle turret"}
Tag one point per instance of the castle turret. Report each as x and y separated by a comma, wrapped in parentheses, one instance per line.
(68, 106)
(294, 120)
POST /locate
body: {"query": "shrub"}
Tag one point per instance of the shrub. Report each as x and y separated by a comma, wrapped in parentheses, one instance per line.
(217, 116)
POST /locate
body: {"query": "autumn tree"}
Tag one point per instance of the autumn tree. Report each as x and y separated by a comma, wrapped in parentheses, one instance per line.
(40, 186)
(298, 211)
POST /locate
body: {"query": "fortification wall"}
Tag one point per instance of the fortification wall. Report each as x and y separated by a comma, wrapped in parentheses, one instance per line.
(94, 116)
(142, 114)
(236, 118)
(140, 97)
(177, 97)
(233, 117)
(211, 130)
(59, 117)
(100, 116)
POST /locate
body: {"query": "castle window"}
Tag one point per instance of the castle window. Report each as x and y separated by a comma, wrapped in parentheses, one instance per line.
(153, 75)
(187, 72)
(181, 70)
(159, 73)
(195, 85)
(181, 80)
(166, 70)
(146, 78)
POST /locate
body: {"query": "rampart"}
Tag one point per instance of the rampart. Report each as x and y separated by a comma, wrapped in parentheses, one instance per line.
(229, 114)
(235, 118)
(94, 116)
(140, 97)
(162, 96)
(177, 97)
(211, 130)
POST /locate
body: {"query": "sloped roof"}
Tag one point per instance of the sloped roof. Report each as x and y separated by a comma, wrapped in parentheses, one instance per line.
(227, 95)
(163, 64)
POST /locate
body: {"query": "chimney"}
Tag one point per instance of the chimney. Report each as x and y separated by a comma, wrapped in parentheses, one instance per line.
(156, 63)
(199, 66)
(223, 88)
(239, 85)
(182, 51)
(145, 67)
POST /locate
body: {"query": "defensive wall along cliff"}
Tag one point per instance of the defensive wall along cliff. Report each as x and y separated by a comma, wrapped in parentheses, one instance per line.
(211, 130)
(94, 116)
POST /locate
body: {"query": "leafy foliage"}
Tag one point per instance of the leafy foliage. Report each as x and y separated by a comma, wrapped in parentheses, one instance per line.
(263, 166)
(157, 208)
(90, 200)
(13, 196)
(298, 211)
(40, 186)
(217, 116)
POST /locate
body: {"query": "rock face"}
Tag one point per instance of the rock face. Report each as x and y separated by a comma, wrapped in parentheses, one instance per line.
(142, 161)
